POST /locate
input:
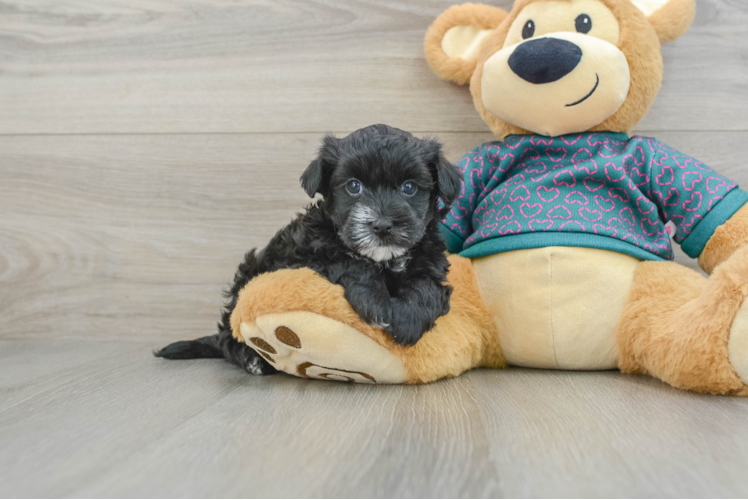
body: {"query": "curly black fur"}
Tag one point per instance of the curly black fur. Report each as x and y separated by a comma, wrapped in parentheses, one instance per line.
(382, 244)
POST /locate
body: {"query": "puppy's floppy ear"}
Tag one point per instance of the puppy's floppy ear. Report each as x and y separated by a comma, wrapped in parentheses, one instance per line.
(316, 178)
(446, 176)
(452, 43)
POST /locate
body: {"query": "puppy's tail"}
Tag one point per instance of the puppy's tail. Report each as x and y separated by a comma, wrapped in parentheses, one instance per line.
(204, 347)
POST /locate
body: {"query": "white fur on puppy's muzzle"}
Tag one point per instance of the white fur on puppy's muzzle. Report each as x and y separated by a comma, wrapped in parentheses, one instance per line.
(382, 253)
(367, 243)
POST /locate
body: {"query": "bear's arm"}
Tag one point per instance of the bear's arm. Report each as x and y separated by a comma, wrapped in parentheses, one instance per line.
(477, 168)
(727, 238)
(706, 208)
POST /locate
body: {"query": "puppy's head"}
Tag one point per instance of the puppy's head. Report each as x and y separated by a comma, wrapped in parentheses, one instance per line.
(382, 187)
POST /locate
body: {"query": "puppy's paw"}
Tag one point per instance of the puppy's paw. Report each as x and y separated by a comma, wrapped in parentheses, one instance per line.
(446, 295)
(310, 345)
(377, 317)
(248, 358)
(405, 331)
(379, 323)
(258, 366)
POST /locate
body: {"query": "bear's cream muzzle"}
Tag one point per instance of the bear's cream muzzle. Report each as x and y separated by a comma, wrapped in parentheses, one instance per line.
(559, 84)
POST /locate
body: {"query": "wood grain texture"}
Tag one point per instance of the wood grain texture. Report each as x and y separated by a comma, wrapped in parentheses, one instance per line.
(124, 424)
(144, 66)
(133, 237)
(146, 144)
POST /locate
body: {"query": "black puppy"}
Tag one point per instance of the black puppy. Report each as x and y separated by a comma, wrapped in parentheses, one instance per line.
(374, 232)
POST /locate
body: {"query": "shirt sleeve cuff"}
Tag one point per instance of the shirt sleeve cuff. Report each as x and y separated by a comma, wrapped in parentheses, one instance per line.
(454, 243)
(702, 233)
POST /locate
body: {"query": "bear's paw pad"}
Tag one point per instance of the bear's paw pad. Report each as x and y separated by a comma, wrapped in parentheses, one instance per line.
(309, 345)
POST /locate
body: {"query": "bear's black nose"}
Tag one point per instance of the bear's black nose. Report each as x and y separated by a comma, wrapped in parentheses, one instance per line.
(545, 60)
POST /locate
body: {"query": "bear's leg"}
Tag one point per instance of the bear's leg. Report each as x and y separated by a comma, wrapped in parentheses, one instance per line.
(687, 330)
(302, 324)
(464, 338)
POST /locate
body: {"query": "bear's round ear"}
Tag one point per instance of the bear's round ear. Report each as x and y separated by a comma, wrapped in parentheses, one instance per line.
(453, 41)
(670, 18)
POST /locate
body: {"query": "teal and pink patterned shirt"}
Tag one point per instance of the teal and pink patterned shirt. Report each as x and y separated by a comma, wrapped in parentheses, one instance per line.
(595, 190)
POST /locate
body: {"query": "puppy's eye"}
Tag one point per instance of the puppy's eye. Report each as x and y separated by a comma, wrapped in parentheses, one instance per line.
(354, 187)
(584, 24)
(409, 188)
(528, 30)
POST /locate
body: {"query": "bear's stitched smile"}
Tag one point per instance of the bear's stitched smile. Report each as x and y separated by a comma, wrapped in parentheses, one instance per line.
(597, 84)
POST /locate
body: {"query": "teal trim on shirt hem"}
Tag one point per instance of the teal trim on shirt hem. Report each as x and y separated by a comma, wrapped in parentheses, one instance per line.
(454, 243)
(694, 244)
(538, 240)
(621, 136)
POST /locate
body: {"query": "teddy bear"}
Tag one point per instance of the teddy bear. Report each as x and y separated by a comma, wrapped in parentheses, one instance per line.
(561, 238)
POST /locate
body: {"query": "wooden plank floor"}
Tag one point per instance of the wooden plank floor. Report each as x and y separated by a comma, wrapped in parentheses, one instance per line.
(85, 418)
(146, 144)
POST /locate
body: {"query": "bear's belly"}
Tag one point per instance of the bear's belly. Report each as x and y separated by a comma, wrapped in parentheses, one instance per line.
(557, 307)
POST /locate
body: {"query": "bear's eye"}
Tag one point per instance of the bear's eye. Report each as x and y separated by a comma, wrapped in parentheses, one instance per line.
(354, 187)
(409, 188)
(584, 23)
(528, 30)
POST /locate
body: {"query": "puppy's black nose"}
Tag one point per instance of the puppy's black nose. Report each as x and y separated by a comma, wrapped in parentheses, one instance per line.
(381, 226)
(545, 60)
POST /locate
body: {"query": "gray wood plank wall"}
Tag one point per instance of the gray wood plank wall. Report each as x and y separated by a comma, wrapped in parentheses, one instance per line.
(145, 145)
